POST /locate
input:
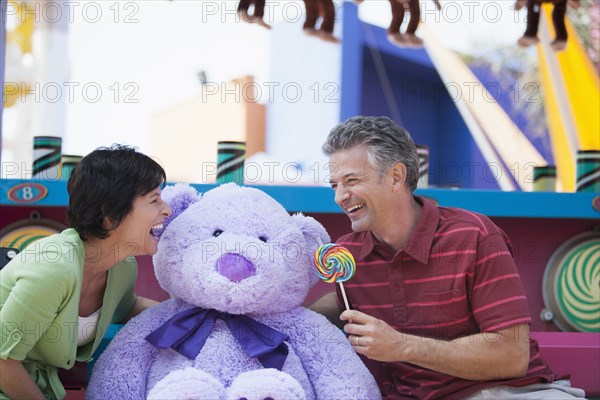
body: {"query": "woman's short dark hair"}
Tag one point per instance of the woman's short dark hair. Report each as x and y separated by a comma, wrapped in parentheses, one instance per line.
(104, 185)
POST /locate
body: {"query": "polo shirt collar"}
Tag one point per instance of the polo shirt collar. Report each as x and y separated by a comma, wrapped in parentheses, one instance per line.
(419, 245)
(369, 243)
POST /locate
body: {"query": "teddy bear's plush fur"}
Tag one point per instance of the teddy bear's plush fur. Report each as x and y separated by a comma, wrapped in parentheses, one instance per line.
(236, 252)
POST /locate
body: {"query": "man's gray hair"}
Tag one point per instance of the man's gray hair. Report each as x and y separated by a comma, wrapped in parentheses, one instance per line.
(387, 144)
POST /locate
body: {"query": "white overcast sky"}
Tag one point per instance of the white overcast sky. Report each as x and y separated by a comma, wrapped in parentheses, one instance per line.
(151, 51)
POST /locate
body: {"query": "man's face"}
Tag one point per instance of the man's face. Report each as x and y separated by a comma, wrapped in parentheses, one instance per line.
(359, 191)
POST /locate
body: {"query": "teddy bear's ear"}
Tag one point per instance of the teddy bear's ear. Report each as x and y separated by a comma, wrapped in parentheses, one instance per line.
(179, 197)
(315, 236)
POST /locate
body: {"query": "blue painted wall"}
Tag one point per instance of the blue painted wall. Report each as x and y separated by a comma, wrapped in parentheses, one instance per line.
(424, 107)
(416, 99)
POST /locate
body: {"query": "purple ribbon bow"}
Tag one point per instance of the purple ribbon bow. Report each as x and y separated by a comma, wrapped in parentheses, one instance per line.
(187, 332)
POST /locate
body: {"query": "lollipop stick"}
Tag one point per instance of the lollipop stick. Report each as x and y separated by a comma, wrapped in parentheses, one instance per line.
(344, 295)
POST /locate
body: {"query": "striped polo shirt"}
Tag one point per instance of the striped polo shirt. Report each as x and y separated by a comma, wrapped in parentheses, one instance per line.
(455, 277)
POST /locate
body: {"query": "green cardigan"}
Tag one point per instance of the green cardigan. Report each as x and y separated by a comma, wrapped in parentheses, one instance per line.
(39, 304)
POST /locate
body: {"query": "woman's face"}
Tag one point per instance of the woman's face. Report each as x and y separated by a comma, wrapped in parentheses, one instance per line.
(135, 233)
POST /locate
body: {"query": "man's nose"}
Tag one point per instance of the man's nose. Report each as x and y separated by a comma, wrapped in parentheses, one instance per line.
(341, 194)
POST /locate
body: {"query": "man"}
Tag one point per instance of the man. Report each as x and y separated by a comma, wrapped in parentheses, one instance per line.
(438, 308)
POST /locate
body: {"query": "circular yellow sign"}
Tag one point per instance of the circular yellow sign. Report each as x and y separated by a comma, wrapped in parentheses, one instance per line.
(22, 233)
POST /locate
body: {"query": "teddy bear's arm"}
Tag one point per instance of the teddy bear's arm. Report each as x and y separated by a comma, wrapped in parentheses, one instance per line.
(332, 365)
(122, 369)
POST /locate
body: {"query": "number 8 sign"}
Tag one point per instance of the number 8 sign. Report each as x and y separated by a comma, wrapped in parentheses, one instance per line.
(27, 193)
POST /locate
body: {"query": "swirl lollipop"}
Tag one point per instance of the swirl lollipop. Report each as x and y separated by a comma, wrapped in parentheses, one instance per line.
(335, 263)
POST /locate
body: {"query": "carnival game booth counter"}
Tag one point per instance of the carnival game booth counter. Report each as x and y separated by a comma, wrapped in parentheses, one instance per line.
(555, 237)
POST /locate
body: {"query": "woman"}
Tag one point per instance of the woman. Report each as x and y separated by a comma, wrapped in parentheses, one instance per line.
(59, 295)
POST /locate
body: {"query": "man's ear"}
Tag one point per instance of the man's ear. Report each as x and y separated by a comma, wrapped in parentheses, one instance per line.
(398, 173)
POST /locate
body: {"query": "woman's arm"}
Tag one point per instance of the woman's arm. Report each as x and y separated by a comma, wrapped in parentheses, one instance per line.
(16, 383)
(141, 303)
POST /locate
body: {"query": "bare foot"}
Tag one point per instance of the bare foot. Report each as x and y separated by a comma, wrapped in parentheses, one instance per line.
(261, 22)
(397, 39)
(246, 17)
(519, 4)
(311, 32)
(328, 37)
(526, 41)
(413, 41)
(558, 45)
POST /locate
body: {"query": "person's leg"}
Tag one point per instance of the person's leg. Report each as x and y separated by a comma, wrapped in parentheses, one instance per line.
(415, 18)
(393, 32)
(259, 13)
(558, 390)
(242, 10)
(328, 14)
(312, 13)
(558, 20)
(327, 23)
(533, 20)
(481, 395)
(397, 16)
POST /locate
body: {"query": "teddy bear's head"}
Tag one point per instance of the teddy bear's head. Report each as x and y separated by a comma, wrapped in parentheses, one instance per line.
(235, 249)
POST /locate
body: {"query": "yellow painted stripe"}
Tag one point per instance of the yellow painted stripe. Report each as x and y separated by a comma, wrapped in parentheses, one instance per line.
(571, 99)
(559, 116)
(583, 87)
(491, 128)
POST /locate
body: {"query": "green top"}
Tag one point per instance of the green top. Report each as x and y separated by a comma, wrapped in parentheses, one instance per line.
(39, 307)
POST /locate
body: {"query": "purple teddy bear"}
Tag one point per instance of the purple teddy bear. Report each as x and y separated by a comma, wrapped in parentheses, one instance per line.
(238, 268)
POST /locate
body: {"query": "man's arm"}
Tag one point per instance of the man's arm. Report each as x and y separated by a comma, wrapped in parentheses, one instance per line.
(484, 356)
(327, 306)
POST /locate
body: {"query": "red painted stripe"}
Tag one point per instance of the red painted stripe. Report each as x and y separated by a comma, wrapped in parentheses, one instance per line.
(437, 303)
(500, 278)
(493, 255)
(512, 322)
(466, 229)
(437, 278)
(494, 304)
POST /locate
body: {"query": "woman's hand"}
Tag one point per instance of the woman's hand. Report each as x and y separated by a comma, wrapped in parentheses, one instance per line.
(16, 383)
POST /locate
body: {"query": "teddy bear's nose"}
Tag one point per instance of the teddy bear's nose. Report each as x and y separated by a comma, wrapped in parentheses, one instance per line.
(235, 267)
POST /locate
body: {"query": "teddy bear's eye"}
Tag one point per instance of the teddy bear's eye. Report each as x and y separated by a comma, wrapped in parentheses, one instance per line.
(263, 238)
(217, 232)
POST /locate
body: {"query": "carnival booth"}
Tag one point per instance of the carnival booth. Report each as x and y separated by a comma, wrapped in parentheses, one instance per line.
(474, 155)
